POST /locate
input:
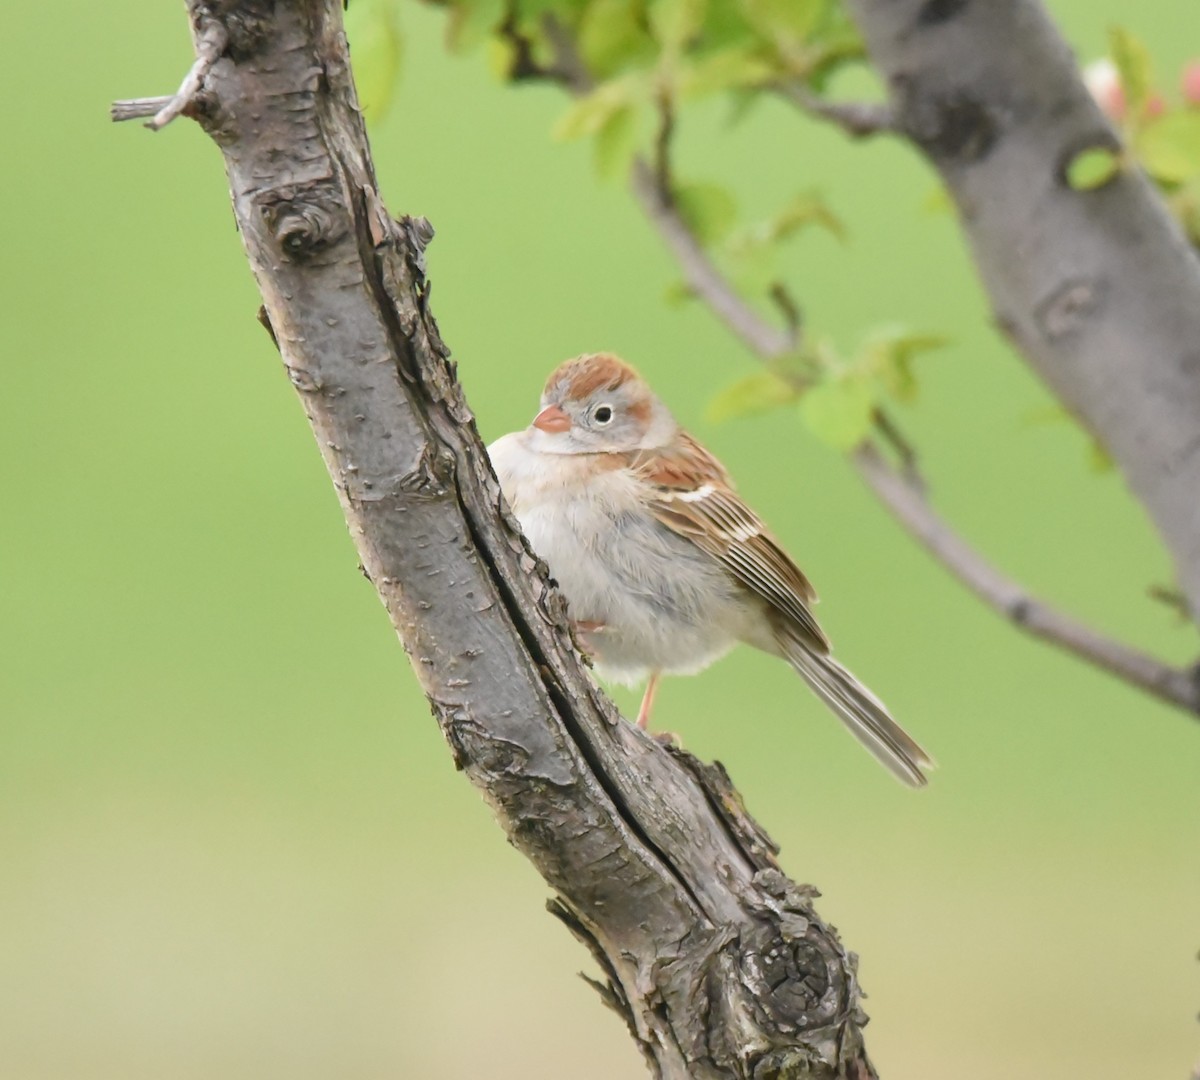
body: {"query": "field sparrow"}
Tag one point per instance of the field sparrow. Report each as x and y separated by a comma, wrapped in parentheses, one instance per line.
(663, 566)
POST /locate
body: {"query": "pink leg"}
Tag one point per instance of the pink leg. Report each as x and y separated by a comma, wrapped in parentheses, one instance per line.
(643, 717)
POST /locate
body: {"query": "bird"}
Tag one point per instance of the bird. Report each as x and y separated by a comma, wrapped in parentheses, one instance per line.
(663, 566)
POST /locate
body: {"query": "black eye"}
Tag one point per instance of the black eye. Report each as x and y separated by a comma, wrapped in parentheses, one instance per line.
(603, 414)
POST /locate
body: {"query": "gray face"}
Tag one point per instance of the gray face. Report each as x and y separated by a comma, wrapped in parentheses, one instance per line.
(606, 420)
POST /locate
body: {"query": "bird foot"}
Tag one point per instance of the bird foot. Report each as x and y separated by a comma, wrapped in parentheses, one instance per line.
(581, 631)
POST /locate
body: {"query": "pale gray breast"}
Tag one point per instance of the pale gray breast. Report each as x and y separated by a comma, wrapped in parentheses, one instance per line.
(614, 561)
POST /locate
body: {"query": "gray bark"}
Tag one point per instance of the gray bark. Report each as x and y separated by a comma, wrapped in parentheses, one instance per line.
(1098, 290)
(718, 963)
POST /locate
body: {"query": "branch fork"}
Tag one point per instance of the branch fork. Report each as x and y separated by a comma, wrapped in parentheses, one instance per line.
(211, 43)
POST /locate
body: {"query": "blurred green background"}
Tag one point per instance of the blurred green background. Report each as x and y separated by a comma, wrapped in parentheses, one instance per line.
(231, 840)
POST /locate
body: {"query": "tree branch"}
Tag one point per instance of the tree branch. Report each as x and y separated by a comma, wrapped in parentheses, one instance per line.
(1099, 289)
(700, 273)
(909, 507)
(718, 963)
(902, 495)
(857, 119)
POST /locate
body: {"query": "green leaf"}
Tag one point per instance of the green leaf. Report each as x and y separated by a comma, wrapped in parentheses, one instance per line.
(758, 393)
(589, 114)
(725, 25)
(472, 22)
(1169, 146)
(376, 49)
(501, 55)
(674, 23)
(678, 293)
(616, 143)
(838, 45)
(725, 69)
(802, 211)
(1093, 168)
(613, 36)
(839, 411)
(787, 22)
(753, 261)
(531, 12)
(812, 37)
(1132, 59)
(708, 209)
(751, 252)
(889, 355)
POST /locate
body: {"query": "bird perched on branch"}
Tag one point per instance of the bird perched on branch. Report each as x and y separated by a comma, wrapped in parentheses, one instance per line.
(663, 565)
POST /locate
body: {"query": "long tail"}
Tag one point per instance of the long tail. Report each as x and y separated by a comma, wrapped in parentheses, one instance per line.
(861, 711)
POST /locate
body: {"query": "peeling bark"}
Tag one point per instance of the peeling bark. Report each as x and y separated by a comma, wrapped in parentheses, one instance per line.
(1099, 290)
(718, 963)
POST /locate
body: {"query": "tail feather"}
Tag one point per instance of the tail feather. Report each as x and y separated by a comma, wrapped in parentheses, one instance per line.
(861, 711)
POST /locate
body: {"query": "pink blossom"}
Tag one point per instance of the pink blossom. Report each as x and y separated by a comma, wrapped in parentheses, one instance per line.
(1189, 82)
(1104, 83)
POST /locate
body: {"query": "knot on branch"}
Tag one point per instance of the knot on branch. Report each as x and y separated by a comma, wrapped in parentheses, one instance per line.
(798, 979)
(305, 218)
(247, 22)
(1070, 306)
(934, 12)
(788, 979)
(949, 127)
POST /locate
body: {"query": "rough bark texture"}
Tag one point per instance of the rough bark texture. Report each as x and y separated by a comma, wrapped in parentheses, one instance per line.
(716, 960)
(1098, 289)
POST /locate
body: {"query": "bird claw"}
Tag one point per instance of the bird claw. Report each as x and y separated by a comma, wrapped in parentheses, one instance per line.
(666, 738)
(580, 631)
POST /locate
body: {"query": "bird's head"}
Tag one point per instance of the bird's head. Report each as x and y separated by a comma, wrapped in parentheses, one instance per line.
(598, 404)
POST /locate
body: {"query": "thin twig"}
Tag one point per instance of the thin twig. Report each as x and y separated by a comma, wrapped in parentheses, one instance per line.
(524, 66)
(568, 64)
(1174, 599)
(909, 507)
(210, 44)
(856, 118)
(137, 108)
(700, 272)
(662, 144)
(904, 450)
(793, 317)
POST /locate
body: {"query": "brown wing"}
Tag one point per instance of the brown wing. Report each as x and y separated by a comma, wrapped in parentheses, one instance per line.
(695, 498)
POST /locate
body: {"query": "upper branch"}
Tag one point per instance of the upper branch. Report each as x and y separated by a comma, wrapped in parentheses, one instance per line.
(1098, 289)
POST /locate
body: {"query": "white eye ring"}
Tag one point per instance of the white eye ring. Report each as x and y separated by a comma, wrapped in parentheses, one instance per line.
(602, 414)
